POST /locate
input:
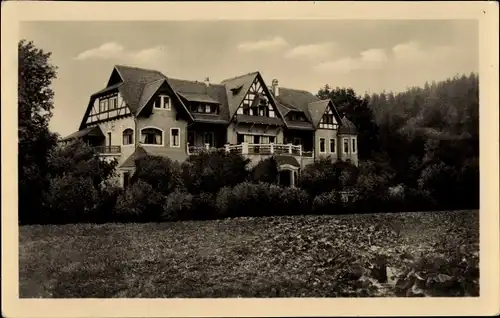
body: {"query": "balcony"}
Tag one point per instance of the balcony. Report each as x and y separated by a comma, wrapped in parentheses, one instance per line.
(255, 149)
(108, 150)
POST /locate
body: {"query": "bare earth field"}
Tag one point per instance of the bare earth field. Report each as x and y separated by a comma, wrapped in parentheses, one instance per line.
(310, 256)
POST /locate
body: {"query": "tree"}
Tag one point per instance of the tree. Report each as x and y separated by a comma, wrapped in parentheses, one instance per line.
(79, 187)
(35, 104)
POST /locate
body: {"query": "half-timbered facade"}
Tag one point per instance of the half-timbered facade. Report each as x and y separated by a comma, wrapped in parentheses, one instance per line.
(143, 111)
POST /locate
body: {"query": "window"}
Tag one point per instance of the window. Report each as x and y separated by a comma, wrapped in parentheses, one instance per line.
(105, 105)
(346, 145)
(113, 103)
(208, 109)
(128, 135)
(354, 145)
(152, 136)
(297, 141)
(175, 137)
(200, 108)
(163, 102)
(332, 145)
(322, 145)
(271, 139)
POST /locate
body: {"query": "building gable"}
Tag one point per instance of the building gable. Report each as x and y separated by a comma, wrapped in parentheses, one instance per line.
(329, 119)
(258, 101)
(103, 107)
(158, 96)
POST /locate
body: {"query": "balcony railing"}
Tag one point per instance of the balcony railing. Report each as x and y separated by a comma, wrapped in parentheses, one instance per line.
(108, 149)
(254, 149)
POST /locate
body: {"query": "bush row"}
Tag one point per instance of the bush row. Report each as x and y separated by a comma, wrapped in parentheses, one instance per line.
(214, 185)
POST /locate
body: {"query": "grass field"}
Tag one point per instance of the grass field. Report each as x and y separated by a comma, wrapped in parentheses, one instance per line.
(313, 256)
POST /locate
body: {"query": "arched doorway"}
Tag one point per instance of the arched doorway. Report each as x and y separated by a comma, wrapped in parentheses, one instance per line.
(285, 178)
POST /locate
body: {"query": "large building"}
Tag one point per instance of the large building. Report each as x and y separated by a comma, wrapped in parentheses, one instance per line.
(142, 111)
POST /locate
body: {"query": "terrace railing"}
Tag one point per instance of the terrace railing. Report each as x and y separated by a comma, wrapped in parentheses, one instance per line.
(108, 150)
(254, 149)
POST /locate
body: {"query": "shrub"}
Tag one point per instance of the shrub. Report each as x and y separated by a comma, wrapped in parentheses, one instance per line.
(70, 198)
(140, 203)
(210, 171)
(260, 199)
(80, 160)
(162, 173)
(178, 206)
(204, 206)
(325, 203)
(266, 171)
(106, 204)
(326, 175)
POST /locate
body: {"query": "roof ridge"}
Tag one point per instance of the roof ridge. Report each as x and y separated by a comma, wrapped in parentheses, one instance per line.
(193, 81)
(296, 89)
(239, 76)
(139, 68)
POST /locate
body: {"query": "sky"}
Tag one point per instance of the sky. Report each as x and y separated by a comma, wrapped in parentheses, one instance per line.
(367, 55)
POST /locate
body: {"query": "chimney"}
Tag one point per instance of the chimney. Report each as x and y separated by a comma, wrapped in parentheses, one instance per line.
(275, 87)
(207, 81)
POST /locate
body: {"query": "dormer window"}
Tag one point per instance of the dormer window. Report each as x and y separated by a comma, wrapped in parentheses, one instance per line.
(200, 108)
(163, 102)
(208, 109)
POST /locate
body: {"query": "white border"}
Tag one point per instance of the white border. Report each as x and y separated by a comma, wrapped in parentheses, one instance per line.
(486, 13)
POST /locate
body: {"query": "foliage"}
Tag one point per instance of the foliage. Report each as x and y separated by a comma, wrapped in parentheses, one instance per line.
(266, 171)
(35, 104)
(210, 171)
(260, 199)
(80, 160)
(325, 175)
(70, 198)
(162, 173)
(431, 138)
(140, 203)
(178, 206)
(286, 256)
(325, 203)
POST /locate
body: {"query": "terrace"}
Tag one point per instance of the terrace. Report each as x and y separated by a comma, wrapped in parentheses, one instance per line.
(255, 149)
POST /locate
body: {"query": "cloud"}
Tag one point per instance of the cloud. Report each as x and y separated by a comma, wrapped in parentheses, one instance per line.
(413, 51)
(410, 51)
(367, 60)
(116, 51)
(374, 56)
(110, 50)
(263, 45)
(312, 51)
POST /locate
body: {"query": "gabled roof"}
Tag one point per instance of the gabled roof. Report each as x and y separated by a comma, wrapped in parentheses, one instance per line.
(199, 90)
(94, 131)
(243, 81)
(147, 93)
(296, 99)
(138, 85)
(347, 127)
(317, 110)
(134, 81)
